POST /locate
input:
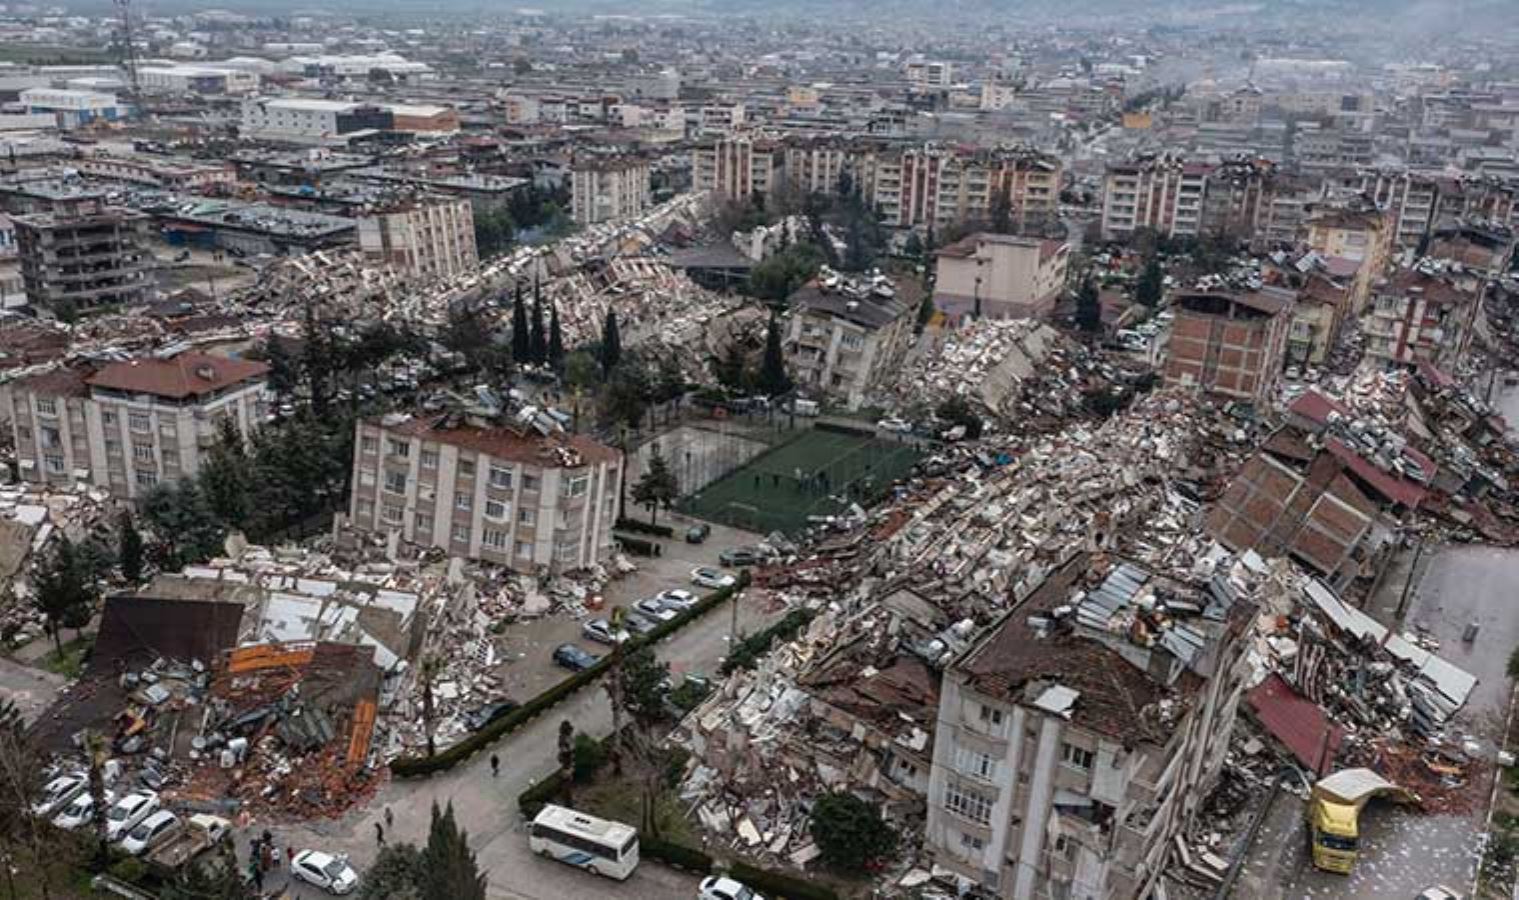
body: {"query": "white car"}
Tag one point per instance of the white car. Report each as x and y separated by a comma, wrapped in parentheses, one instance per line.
(128, 812)
(1438, 892)
(654, 609)
(899, 426)
(330, 873)
(58, 793)
(80, 812)
(712, 578)
(150, 832)
(677, 599)
(600, 630)
(720, 888)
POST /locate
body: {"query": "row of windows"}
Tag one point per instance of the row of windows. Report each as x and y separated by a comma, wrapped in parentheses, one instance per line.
(461, 532)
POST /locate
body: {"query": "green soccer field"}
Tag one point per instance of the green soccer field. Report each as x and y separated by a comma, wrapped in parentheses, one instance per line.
(817, 473)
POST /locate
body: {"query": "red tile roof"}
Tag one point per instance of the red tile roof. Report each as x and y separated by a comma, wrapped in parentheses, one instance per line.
(502, 442)
(1299, 723)
(1316, 407)
(186, 375)
(1395, 489)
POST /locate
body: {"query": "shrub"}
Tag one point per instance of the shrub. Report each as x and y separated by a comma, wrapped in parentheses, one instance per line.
(636, 546)
(130, 870)
(677, 855)
(780, 884)
(590, 755)
(748, 652)
(850, 832)
(663, 531)
(532, 801)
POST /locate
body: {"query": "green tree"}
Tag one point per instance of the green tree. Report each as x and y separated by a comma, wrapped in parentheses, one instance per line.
(226, 476)
(732, 368)
(449, 871)
(185, 528)
(1088, 307)
(926, 310)
(1002, 210)
(778, 277)
(912, 248)
(629, 393)
(396, 874)
(773, 380)
(582, 370)
(538, 348)
(587, 756)
(427, 674)
(522, 341)
(850, 832)
(129, 547)
(644, 686)
(317, 355)
(566, 752)
(556, 340)
(1152, 283)
(658, 486)
(611, 344)
(62, 591)
(284, 371)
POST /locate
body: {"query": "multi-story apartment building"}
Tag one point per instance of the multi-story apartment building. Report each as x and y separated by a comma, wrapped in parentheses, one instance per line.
(175, 174)
(1363, 235)
(603, 190)
(737, 168)
(83, 254)
(940, 186)
(930, 74)
(487, 488)
(845, 335)
(1162, 194)
(1077, 738)
(1007, 277)
(130, 426)
(1423, 315)
(1229, 344)
(428, 236)
(816, 166)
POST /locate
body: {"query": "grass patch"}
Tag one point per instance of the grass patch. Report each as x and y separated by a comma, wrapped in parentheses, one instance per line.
(70, 662)
(610, 798)
(835, 469)
(53, 55)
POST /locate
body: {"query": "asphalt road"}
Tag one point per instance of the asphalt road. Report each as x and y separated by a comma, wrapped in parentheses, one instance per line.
(486, 807)
(32, 690)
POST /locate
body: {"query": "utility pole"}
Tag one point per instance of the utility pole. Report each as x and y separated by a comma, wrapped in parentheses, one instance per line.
(128, 49)
(1408, 583)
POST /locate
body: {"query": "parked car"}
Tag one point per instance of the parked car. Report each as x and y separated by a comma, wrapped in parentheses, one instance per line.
(58, 793)
(331, 873)
(742, 556)
(481, 716)
(150, 832)
(80, 811)
(638, 624)
(124, 815)
(1438, 892)
(900, 426)
(600, 630)
(698, 533)
(677, 599)
(712, 578)
(654, 609)
(719, 888)
(574, 658)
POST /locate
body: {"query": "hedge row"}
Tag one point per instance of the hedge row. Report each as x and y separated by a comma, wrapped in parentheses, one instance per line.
(663, 531)
(532, 801)
(746, 655)
(636, 546)
(415, 766)
(678, 855)
(780, 885)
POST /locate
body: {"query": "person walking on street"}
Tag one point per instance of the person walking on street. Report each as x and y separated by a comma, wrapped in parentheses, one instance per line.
(379, 834)
(495, 765)
(390, 819)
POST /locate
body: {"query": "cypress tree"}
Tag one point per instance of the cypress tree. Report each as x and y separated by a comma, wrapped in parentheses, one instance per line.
(520, 340)
(611, 344)
(449, 871)
(773, 379)
(556, 339)
(538, 351)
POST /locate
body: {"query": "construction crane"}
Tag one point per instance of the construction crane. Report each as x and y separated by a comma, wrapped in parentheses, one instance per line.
(128, 49)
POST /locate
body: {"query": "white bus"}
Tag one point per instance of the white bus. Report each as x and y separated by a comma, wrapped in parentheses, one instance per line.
(596, 845)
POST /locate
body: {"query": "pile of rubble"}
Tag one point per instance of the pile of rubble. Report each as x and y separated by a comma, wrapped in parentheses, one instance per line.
(31, 517)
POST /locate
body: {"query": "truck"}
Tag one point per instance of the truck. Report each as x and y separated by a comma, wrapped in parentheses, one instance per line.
(201, 832)
(1334, 813)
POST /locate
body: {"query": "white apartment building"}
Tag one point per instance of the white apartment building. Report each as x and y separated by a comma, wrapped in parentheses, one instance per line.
(737, 168)
(483, 490)
(1160, 194)
(843, 340)
(430, 236)
(130, 426)
(1067, 756)
(930, 74)
(1011, 277)
(607, 190)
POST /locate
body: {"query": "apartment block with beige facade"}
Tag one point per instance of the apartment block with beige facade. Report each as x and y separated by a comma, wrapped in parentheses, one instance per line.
(1421, 315)
(429, 236)
(1007, 277)
(130, 426)
(847, 335)
(605, 190)
(483, 489)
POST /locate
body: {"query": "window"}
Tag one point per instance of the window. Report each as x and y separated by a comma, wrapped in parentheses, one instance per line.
(500, 477)
(113, 448)
(140, 421)
(1065, 848)
(369, 444)
(991, 716)
(392, 514)
(1076, 757)
(107, 417)
(978, 764)
(467, 467)
(146, 479)
(496, 509)
(399, 448)
(54, 463)
(429, 459)
(424, 523)
(463, 500)
(524, 549)
(972, 842)
(47, 406)
(395, 482)
(968, 804)
(576, 487)
(851, 341)
(52, 438)
(566, 551)
(364, 509)
(170, 457)
(530, 482)
(493, 538)
(142, 452)
(528, 517)
(461, 533)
